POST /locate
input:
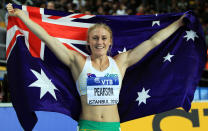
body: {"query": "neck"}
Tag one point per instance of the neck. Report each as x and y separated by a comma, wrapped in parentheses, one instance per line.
(99, 59)
(100, 63)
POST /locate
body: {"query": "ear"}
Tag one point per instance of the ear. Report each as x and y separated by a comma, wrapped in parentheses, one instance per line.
(111, 41)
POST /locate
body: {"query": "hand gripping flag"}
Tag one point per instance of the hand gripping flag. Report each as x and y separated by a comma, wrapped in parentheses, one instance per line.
(164, 79)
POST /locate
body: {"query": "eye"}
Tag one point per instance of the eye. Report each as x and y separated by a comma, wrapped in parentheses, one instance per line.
(104, 38)
(94, 37)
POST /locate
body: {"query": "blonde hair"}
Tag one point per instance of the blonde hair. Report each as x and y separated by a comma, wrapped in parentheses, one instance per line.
(100, 25)
(104, 26)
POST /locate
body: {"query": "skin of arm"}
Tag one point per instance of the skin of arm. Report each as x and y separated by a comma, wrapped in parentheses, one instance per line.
(62, 53)
(132, 56)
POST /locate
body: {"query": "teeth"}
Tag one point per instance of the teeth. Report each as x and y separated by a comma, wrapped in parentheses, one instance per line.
(99, 47)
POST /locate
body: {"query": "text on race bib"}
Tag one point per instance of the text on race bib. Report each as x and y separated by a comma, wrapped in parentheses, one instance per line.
(103, 90)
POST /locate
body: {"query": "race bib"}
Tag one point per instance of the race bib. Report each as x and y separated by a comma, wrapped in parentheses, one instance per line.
(103, 90)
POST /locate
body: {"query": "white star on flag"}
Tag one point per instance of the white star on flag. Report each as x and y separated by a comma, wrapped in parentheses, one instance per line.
(44, 83)
(191, 35)
(155, 22)
(124, 50)
(142, 96)
(168, 57)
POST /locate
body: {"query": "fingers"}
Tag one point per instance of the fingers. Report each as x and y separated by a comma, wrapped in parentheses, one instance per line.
(9, 6)
(183, 16)
(10, 9)
(181, 20)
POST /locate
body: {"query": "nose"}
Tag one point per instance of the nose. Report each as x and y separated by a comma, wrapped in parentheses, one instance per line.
(100, 41)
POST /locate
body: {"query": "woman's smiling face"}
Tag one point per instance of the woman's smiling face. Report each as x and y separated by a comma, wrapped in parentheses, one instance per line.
(99, 40)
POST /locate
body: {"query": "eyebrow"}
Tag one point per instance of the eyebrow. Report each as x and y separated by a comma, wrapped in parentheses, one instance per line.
(97, 35)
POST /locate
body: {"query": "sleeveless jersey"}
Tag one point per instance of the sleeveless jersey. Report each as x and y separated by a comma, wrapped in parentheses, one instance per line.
(101, 87)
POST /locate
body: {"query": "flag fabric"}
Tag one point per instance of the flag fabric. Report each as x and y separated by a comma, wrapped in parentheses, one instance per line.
(166, 78)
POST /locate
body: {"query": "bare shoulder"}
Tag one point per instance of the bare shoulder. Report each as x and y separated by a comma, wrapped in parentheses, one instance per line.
(121, 61)
(79, 59)
(120, 58)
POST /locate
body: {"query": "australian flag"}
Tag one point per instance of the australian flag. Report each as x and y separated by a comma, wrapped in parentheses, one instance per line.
(166, 78)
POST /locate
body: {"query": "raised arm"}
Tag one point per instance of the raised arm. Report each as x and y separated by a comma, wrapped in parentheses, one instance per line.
(134, 55)
(65, 55)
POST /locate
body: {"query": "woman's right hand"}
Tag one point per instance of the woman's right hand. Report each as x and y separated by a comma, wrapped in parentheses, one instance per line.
(12, 11)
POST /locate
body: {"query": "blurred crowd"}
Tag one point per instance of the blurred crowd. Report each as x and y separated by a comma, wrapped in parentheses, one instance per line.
(118, 7)
(4, 90)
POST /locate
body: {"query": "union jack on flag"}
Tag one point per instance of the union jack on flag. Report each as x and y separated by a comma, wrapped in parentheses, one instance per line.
(166, 78)
(67, 28)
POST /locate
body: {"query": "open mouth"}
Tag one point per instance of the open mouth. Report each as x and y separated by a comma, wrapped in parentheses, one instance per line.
(99, 47)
